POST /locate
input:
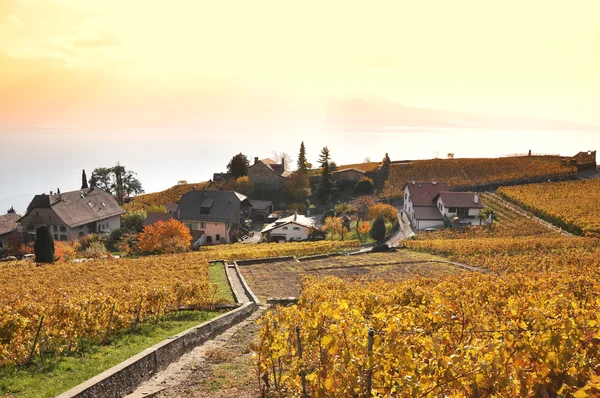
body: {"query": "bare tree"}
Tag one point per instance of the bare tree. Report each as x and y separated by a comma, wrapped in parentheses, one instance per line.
(287, 159)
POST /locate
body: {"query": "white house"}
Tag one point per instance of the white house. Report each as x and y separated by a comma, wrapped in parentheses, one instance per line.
(419, 205)
(459, 207)
(71, 215)
(292, 228)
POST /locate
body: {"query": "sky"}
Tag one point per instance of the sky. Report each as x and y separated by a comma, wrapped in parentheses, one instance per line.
(173, 89)
(134, 66)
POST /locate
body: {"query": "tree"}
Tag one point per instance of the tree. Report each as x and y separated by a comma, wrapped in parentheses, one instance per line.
(84, 182)
(344, 208)
(363, 229)
(362, 204)
(169, 236)
(283, 157)
(238, 166)
(333, 225)
(326, 185)
(378, 229)
(11, 210)
(44, 245)
(388, 212)
(297, 186)
(156, 209)
(134, 221)
(244, 186)
(364, 187)
(116, 180)
(302, 164)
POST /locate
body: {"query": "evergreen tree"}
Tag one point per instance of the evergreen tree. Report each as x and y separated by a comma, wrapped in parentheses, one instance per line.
(84, 183)
(326, 185)
(378, 230)
(238, 166)
(11, 210)
(44, 245)
(302, 163)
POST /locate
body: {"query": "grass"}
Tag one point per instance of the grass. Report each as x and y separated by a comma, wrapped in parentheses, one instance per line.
(53, 376)
(216, 272)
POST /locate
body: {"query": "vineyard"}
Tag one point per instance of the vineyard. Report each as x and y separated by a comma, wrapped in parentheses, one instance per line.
(529, 330)
(572, 205)
(463, 173)
(171, 195)
(89, 301)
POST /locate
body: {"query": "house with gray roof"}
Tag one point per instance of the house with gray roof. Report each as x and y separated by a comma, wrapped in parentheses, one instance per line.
(219, 215)
(71, 215)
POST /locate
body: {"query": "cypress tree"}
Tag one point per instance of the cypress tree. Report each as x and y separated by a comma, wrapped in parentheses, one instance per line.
(378, 230)
(44, 245)
(84, 183)
(326, 185)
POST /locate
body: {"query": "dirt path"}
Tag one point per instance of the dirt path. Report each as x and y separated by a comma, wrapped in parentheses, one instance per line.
(222, 368)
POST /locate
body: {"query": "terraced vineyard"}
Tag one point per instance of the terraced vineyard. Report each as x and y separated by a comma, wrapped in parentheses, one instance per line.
(459, 173)
(171, 195)
(572, 205)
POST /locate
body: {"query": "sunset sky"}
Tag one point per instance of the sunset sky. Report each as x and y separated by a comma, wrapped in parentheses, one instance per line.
(104, 65)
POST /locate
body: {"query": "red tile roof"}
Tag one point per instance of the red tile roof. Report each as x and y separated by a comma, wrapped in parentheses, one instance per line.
(8, 223)
(422, 193)
(463, 200)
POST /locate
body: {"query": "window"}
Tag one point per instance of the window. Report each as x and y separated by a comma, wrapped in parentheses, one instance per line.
(218, 237)
(55, 236)
(63, 237)
(37, 213)
(296, 228)
(452, 210)
(202, 225)
(81, 234)
(285, 228)
(55, 227)
(63, 228)
(30, 227)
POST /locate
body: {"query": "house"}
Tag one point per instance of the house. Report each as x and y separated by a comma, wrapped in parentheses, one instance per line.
(268, 172)
(292, 228)
(8, 227)
(350, 175)
(220, 177)
(261, 209)
(171, 207)
(218, 215)
(153, 218)
(71, 215)
(419, 203)
(459, 207)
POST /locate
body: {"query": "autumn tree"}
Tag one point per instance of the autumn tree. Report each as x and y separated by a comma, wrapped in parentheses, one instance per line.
(362, 204)
(44, 245)
(298, 186)
(378, 229)
(388, 212)
(363, 229)
(238, 166)
(302, 164)
(283, 157)
(344, 208)
(116, 180)
(333, 226)
(163, 237)
(244, 186)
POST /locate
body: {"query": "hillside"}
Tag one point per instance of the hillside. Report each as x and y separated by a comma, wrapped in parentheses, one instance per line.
(464, 173)
(171, 195)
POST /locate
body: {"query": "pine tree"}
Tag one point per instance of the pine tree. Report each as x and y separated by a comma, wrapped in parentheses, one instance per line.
(302, 164)
(326, 185)
(44, 245)
(84, 183)
(11, 210)
(378, 229)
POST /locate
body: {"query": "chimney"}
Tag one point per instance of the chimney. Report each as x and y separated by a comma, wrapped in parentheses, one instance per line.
(434, 182)
(476, 199)
(58, 191)
(255, 159)
(50, 193)
(283, 163)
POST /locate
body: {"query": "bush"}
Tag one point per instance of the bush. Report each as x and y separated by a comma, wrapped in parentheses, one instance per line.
(64, 251)
(378, 229)
(169, 236)
(134, 221)
(388, 212)
(364, 187)
(95, 250)
(44, 245)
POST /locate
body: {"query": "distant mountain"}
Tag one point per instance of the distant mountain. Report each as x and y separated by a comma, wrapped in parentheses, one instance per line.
(378, 112)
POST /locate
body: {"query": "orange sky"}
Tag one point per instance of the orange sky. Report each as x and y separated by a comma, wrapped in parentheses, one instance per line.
(102, 64)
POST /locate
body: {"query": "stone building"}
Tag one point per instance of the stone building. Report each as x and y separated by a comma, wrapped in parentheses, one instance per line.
(268, 173)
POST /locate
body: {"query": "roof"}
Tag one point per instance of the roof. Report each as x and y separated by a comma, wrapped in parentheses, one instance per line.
(459, 200)
(79, 207)
(153, 218)
(196, 235)
(171, 207)
(422, 193)
(260, 204)
(8, 223)
(277, 168)
(428, 213)
(225, 207)
(349, 169)
(293, 219)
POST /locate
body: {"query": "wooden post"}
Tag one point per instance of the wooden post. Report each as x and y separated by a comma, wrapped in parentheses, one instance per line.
(37, 334)
(110, 321)
(302, 373)
(369, 362)
(137, 317)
